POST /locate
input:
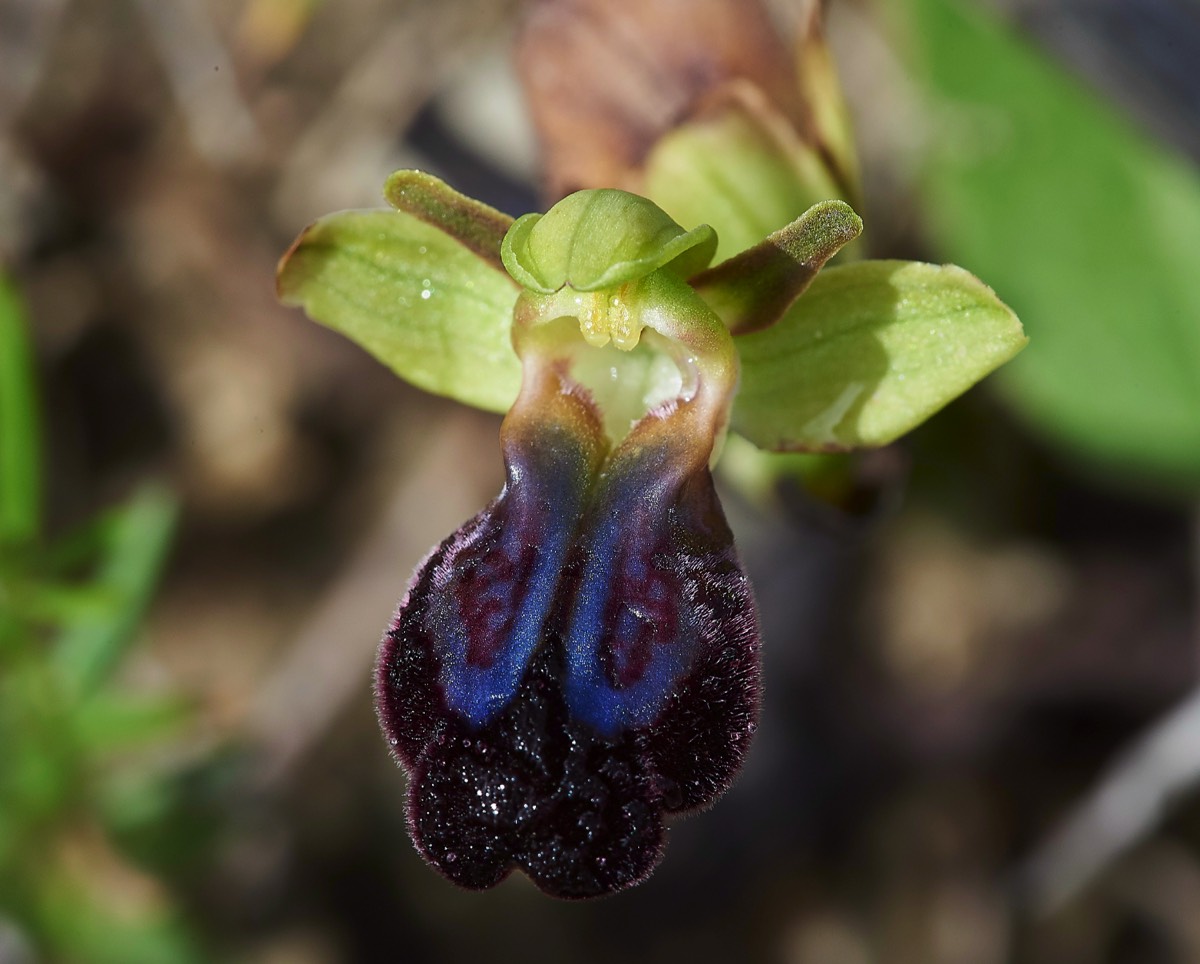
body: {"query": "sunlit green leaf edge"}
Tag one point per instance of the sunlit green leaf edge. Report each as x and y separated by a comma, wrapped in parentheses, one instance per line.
(416, 299)
(1089, 228)
(867, 353)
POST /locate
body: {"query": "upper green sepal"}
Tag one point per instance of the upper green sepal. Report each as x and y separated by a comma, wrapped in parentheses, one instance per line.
(869, 352)
(599, 239)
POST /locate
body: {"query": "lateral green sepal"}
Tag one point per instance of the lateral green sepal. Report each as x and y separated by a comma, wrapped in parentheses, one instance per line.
(417, 298)
(870, 351)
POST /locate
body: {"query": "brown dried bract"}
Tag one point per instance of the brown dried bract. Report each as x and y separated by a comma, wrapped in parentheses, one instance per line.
(605, 79)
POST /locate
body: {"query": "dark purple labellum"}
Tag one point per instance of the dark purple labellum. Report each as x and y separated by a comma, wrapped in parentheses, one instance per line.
(576, 661)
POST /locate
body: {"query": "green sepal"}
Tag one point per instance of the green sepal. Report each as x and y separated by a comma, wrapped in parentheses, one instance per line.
(752, 290)
(599, 239)
(870, 351)
(417, 298)
(740, 167)
(475, 225)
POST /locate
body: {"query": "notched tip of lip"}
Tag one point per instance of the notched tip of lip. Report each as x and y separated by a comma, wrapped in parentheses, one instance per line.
(537, 790)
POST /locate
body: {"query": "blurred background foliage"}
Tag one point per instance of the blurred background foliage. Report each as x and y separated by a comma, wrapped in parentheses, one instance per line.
(209, 507)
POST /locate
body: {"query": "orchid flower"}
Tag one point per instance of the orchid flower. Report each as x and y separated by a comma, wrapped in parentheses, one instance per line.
(580, 660)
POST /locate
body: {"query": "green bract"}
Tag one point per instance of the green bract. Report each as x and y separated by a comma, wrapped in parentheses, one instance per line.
(867, 352)
(688, 172)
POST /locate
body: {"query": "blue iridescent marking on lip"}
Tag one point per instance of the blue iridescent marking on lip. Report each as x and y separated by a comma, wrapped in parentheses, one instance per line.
(494, 608)
(497, 584)
(630, 638)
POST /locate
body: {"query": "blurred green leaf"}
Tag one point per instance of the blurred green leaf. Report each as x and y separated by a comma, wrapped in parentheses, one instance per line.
(168, 817)
(81, 925)
(45, 602)
(822, 93)
(1087, 228)
(20, 439)
(79, 548)
(133, 559)
(40, 762)
(414, 297)
(758, 475)
(868, 352)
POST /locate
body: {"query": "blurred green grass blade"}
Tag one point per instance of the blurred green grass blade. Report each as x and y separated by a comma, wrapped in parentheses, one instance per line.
(80, 547)
(113, 721)
(20, 436)
(58, 604)
(1090, 231)
(134, 556)
(38, 759)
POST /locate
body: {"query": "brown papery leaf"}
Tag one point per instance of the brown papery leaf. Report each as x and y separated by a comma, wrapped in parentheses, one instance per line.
(605, 79)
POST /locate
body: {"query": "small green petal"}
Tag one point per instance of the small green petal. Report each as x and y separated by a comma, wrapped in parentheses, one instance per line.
(472, 223)
(418, 299)
(599, 239)
(752, 290)
(869, 352)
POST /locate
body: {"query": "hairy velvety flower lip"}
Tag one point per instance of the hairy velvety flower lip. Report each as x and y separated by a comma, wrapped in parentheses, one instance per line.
(580, 660)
